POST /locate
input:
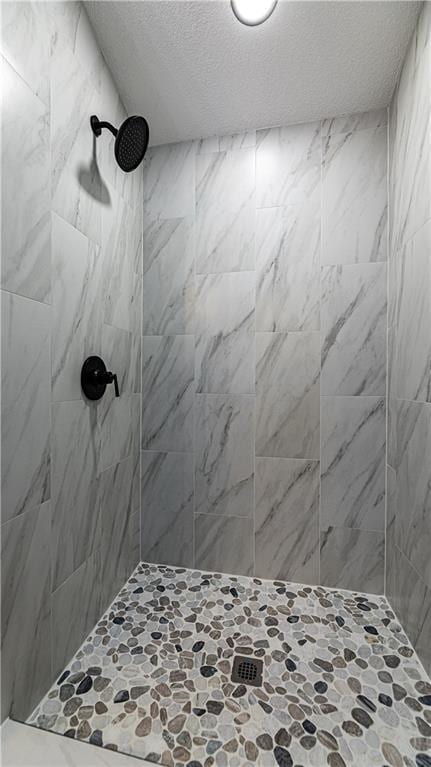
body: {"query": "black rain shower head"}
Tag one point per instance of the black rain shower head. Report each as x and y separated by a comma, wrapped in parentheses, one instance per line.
(131, 140)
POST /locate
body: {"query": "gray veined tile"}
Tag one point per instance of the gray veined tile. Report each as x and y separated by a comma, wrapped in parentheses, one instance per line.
(414, 319)
(208, 145)
(225, 181)
(287, 164)
(238, 140)
(353, 323)
(120, 240)
(225, 241)
(376, 118)
(26, 590)
(287, 263)
(116, 352)
(352, 559)
(26, 202)
(169, 181)
(225, 333)
(391, 398)
(26, 43)
(25, 429)
(287, 519)
(75, 509)
(168, 292)
(353, 462)
(224, 455)
(413, 518)
(76, 307)
(116, 418)
(224, 544)
(354, 197)
(167, 393)
(167, 488)
(287, 395)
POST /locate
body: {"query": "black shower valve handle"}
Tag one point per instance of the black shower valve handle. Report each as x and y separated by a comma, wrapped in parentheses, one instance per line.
(109, 378)
(95, 378)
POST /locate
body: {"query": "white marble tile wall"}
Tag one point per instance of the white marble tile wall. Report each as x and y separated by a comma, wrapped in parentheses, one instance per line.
(71, 282)
(408, 531)
(264, 352)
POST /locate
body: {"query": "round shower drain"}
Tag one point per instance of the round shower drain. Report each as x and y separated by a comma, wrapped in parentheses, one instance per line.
(247, 671)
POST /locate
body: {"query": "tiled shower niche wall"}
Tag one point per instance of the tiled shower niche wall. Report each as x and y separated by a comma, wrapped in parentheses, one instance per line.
(264, 353)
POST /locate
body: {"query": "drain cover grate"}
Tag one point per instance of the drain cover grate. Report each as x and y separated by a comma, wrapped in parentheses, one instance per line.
(247, 671)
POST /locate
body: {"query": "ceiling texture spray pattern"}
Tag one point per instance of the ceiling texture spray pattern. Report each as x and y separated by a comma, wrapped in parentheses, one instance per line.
(194, 71)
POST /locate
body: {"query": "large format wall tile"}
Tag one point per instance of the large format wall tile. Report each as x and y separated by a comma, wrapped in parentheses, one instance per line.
(224, 445)
(287, 164)
(168, 294)
(414, 318)
(377, 118)
(26, 204)
(26, 366)
(116, 419)
(26, 611)
(76, 307)
(353, 462)
(169, 181)
(225, 361)
(167, 508)
(353, 317)
(352, 559)
(224, 182)
(354, 197)
(287, 395)
(287, 263)
(75, 508)
(167, 393)
(121, 243)
(25, 43)
(225, 241)
(287, 519)
(224, 544)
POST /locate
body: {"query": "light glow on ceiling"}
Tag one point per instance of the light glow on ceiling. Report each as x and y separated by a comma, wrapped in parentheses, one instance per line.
(253, 12)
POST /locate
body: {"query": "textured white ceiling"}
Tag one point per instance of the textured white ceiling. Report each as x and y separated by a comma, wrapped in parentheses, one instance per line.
(194, 71)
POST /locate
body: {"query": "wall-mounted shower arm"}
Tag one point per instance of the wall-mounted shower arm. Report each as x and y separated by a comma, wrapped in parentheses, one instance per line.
(97, 126)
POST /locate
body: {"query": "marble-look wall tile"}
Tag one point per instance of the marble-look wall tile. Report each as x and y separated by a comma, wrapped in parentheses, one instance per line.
(287, 519)
(287, 164)
(376, 118)
(287, 263)
(352, 559)
(224, 445)
(76, 307)
(116, 418)
(208, 145)
(353, 322)
(224, 182)
(169, 181)
(167, 393)
(116, 352)
(26, 204)
(238, 140)
(391, 426)
(167, 508)
(26, 588)
(353, 462)
(287, 395)
(75, 607)
(413, 519)
(224, 544)
(25, 428)
(354, 197)
(414, 318)
(225, 357)
(225, 241)
(25, 41)
(75, 530)
(120, 241)
(168, 292)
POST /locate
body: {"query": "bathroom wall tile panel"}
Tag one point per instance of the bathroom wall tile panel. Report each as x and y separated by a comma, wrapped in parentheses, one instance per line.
(25, 43)
(354, 197)
(116, 352)
(75, 510)
(225, 182)
(136, 323)
(392, 402)
(391, 503)
(353, 320)
(208, 145)
(116, 418)
(287, 164)
(26, 639)
(168, 295)
(76, 607)
(287, 519)
(287, 262)
(26, 204)
(287, 395)
(136, 452)
(376, 118)
(353, 462)
(413, 521)
(238, 141)
(135, 540)
(224, 445)
(26, 366)
(352, 559)
(224, 544)
(120, 240)
(225, 333)
(167, 392)
(167, 508)
(414, 318)
(76, 312)
(169, 181)
(225, 241)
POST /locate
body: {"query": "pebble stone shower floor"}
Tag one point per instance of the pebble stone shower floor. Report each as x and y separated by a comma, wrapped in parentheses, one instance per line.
(341, 684)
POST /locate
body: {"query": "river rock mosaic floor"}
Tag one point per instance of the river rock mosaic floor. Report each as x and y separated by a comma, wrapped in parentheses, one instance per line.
(341, 684)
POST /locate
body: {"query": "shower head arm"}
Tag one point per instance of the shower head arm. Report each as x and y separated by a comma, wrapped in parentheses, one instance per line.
(97, 125)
